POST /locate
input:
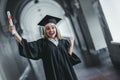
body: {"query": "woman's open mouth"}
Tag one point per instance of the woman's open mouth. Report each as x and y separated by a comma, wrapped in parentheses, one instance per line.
(51, 33)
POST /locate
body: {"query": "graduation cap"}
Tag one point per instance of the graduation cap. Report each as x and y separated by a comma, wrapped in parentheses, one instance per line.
(49, 19)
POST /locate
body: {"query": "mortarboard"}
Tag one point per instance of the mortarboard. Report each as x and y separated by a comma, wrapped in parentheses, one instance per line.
(49, 19)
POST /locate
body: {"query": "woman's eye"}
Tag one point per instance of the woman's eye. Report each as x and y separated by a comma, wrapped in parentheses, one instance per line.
(53, 27)
(47, 28)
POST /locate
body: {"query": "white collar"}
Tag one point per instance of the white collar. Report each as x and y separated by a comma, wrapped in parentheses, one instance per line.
(54, 41)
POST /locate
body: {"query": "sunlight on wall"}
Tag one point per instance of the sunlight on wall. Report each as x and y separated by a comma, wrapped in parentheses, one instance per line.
(65, 28)
(112, 14)
(32, 14)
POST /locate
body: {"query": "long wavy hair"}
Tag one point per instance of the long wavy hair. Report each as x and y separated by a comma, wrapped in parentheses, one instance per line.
(58, 34)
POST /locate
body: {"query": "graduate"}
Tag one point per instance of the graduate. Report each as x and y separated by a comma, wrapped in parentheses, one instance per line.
(55, 52)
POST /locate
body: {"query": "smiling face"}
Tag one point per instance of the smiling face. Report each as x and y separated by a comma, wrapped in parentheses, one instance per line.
(50, 30)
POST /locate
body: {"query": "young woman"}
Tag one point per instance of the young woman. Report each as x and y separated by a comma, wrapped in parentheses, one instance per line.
(55, 52)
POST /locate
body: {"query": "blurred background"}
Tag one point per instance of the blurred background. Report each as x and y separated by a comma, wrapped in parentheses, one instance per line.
(93, 23)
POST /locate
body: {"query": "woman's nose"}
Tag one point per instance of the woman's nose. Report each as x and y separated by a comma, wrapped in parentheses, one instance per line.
(51, 29)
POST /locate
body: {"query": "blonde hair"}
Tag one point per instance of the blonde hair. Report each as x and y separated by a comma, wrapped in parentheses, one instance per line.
(58, 34)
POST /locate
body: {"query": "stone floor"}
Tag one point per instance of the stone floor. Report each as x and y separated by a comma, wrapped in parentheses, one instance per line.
(97, 70)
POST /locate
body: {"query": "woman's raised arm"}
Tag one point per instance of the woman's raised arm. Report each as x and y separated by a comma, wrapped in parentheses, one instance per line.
(71, 45)
(15, 33)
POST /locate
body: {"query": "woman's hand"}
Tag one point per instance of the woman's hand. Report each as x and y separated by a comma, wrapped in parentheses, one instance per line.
(71, 41)
(12, 29)
(71, 45)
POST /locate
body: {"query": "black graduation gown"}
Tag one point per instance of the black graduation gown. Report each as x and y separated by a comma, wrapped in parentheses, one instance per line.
(56, 59)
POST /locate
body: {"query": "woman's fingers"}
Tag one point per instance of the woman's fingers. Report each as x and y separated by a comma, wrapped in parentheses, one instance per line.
(71, 39)
(11, 28)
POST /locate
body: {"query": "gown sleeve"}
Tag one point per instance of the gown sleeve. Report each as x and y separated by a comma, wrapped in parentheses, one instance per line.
(74, 59)
(31, 50)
